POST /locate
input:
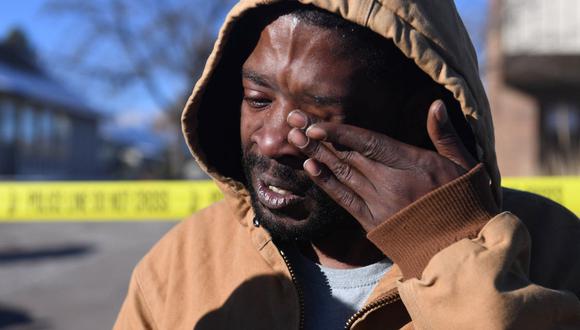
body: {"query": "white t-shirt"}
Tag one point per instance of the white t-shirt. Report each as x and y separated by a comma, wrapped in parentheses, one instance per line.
(332, 296)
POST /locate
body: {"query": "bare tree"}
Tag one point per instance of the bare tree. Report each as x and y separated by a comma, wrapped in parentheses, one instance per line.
(161, 44)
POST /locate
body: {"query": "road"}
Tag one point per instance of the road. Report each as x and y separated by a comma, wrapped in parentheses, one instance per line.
(69, 276)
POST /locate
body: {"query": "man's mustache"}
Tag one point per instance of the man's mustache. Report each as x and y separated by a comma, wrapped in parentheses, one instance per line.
(260, 164)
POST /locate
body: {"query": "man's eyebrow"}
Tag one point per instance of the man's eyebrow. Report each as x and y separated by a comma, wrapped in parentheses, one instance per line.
(255, 78)
(319, 100)
(325, 101)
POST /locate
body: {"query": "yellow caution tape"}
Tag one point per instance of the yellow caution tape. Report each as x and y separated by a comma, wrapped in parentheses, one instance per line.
(174, 200)
(104, 201)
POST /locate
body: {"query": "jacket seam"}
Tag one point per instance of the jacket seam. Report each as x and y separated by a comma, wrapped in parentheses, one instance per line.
(370, 12)
(141, 293)
(263, 245)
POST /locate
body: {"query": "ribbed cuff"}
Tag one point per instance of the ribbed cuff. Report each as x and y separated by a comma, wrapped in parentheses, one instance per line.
(446, 215)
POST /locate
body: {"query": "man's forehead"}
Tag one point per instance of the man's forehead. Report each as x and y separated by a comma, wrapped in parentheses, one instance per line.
(289, 42)
(291, 27)
(301, 64)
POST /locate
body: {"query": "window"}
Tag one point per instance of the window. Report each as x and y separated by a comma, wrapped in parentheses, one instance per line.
(62, 125)
(27, 130)
(47, 130)
(561, 138)
(7, 119)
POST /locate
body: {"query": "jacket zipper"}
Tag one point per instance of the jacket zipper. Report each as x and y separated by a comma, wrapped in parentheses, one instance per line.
(298, 289)
(388, 298)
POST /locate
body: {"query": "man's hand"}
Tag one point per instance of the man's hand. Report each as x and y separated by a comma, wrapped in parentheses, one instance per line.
(372, 175)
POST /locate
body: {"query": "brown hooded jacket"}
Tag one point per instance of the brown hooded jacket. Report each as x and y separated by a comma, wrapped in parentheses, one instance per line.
(459, 262)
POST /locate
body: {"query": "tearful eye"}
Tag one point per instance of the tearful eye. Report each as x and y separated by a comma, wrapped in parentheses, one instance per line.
(257, 102)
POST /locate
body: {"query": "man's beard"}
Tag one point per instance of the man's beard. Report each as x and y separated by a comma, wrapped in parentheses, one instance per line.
(324, 217)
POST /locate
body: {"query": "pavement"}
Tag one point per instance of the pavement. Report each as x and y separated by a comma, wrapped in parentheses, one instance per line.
(69, 276)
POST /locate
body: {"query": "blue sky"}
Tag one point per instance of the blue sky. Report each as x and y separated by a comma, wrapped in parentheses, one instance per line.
(28, 16)
(46, 33)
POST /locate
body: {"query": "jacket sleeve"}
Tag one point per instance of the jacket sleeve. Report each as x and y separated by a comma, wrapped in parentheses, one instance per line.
(135, 312)
(466, 266)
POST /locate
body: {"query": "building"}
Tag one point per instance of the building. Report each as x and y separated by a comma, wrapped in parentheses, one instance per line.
(46, 132)
(533, 79)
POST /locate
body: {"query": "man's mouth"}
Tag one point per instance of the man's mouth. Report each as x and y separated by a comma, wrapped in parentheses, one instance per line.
(279, 190)
(276, 196)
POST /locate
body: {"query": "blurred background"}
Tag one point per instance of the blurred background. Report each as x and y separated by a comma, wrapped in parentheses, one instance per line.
(93, 90)
(113, 74)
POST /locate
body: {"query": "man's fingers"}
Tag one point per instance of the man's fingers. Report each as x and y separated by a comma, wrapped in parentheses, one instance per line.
(340, 164)
(445, 138)
(338, 191)
(371, 145)
(298, 119)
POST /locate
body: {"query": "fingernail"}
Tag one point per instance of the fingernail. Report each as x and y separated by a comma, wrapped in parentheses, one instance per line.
(298, 138)
(297, 119)
(312, 167)
(316, 133)
(441, 112)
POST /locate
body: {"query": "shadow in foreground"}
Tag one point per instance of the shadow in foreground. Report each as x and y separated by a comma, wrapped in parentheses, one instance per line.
(260, 298)
(10, 317)
(36, 254)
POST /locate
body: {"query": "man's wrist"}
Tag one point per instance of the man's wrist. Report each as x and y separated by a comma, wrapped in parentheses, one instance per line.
(446, 215)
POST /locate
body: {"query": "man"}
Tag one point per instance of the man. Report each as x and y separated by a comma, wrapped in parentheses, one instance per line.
(354, 146)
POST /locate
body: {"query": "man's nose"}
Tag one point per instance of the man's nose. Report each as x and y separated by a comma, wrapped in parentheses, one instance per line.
(272, 138)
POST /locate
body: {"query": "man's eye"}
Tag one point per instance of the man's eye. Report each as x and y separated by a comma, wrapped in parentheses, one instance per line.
(256, 102)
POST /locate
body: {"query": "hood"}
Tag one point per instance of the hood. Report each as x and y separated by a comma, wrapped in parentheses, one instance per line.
(428, 32)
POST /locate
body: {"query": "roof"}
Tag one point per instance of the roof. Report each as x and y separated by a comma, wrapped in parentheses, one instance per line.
(43, 89)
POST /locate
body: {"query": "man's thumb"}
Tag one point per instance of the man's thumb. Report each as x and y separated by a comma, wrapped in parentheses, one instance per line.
(444, 137)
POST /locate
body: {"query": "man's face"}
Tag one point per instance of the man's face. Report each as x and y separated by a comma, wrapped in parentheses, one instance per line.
(295, 66)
